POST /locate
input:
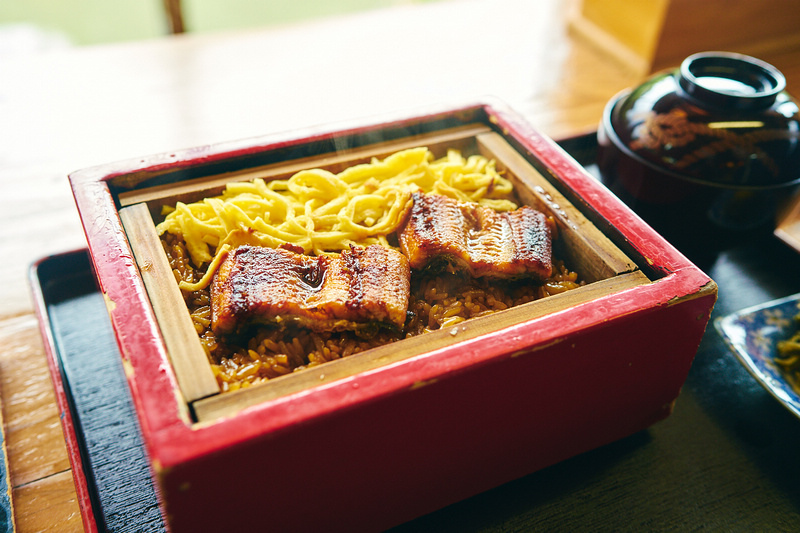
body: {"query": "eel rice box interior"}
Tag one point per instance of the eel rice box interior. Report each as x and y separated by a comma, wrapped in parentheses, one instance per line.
(379, 437)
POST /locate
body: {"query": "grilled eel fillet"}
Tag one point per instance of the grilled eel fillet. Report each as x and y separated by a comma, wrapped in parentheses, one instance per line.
(349, 291)
(478, 239)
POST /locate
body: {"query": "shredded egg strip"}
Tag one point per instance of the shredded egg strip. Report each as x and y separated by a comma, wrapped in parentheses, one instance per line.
(321, 212)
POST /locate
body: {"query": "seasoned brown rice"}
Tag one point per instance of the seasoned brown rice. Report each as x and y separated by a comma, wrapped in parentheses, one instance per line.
(438, 300)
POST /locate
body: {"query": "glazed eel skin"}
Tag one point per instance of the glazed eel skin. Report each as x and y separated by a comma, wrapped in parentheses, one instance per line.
(361, 287)
(478, 239)
(347, 291)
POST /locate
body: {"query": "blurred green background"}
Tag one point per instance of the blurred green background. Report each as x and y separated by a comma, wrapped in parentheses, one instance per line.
(86, 22)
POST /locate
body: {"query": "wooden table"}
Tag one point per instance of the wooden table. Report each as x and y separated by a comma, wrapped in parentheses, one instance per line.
(68, 109)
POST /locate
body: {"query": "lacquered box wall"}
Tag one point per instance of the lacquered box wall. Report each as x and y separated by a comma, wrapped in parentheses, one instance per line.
(382, 446)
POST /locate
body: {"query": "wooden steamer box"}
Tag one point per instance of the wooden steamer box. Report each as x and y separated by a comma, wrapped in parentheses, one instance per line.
(375, 439)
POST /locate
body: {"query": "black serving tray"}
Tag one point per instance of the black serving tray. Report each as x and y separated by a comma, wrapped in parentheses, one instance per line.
(6, 508)
(112, 453)
(726, 459)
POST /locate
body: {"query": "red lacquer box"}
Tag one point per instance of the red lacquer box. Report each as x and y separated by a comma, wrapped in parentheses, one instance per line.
(378, 438)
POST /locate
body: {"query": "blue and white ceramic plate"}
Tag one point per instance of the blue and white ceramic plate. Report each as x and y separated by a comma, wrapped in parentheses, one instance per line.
(753, 333)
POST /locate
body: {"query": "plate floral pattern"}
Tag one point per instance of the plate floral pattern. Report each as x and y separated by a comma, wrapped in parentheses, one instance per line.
(752, 335)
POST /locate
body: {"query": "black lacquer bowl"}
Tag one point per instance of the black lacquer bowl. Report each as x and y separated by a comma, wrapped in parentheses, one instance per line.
(705, 152)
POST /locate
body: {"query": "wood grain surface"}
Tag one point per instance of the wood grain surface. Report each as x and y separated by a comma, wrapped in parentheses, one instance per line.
(73, 108)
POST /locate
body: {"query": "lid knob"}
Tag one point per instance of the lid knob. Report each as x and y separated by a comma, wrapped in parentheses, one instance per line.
(732, 81)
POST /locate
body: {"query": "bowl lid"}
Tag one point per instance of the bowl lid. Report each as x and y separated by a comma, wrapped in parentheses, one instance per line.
(720, 118)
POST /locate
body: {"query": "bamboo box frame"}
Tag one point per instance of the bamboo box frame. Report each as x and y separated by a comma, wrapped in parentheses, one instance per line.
(601, 263)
